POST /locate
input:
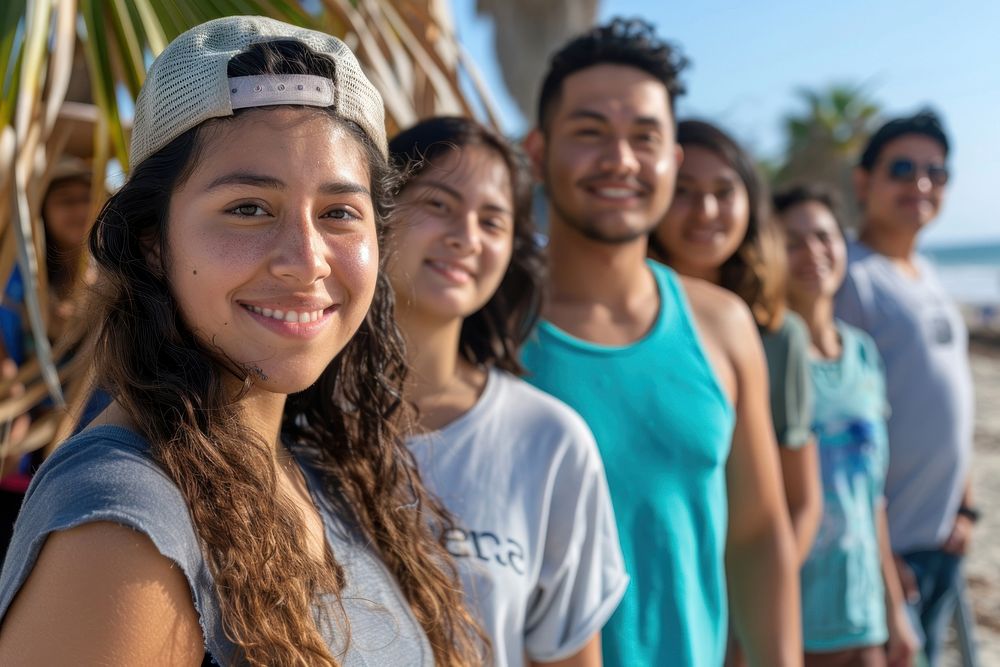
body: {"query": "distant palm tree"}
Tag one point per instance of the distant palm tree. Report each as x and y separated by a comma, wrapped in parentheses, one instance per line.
(68, 64)
(823, 141)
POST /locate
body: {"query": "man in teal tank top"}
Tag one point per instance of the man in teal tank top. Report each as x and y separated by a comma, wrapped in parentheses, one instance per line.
(668, 371)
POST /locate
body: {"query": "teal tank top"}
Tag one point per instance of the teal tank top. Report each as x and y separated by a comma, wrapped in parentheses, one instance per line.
(664, 427)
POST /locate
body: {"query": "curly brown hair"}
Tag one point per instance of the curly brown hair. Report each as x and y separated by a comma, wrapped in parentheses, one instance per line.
(347, 425)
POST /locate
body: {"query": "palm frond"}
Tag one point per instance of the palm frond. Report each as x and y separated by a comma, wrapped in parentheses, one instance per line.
(407, 47)
(11, 26)
(823, 137)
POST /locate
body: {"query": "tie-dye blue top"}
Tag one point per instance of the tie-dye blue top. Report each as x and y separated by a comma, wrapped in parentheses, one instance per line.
(843, 603)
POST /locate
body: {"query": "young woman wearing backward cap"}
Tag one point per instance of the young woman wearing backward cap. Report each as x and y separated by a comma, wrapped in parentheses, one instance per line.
(247, 498)
(535, 537)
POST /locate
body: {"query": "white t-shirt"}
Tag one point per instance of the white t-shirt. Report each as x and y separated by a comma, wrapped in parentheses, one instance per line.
(536, 545)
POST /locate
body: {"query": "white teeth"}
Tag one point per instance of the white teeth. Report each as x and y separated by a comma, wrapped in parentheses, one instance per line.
(296, 317)
(444, 266)
(616, 192)
(704, 233)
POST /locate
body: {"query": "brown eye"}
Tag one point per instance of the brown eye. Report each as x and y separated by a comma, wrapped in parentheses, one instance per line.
(248, 211)
(495, 223)
(342, 214)
(586, 133)
(648, 138)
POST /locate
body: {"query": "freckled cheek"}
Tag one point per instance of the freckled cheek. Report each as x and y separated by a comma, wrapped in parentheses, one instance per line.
(356, 264)
(205, 266)
(198, 297)
(218, 250)
(239, 252)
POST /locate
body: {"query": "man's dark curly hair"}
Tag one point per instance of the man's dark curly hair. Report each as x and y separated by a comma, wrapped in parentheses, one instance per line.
(631, 42)
(925, 122)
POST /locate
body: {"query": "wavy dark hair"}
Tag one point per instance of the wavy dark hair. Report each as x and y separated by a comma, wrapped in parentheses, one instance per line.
(493, 335)
(347, 425)
(757, 270)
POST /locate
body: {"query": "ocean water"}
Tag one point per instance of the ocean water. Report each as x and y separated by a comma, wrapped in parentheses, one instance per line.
(970, 272)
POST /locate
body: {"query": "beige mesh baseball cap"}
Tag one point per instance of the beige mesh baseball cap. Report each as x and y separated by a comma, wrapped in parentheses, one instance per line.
(188, 83)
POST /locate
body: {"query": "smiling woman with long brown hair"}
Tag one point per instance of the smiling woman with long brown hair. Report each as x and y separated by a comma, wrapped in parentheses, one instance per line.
(535, 536)
(247, 497)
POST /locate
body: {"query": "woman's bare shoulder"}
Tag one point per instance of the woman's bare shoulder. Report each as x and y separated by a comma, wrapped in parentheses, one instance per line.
(101, 593)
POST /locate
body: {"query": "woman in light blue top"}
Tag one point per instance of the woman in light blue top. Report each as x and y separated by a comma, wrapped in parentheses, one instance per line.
(851, 599)
(535, 536)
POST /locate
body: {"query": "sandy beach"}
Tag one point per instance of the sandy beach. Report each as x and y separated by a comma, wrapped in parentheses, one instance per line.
(983, 564)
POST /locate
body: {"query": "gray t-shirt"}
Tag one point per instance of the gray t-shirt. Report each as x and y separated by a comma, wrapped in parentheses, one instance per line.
(924, 345)
(107, 474)
(536, 540)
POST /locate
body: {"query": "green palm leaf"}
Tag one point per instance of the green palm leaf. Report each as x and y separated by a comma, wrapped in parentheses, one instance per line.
(413, 63)
(823, 138)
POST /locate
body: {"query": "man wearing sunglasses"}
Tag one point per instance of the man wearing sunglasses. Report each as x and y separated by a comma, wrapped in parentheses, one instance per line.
(895, 295)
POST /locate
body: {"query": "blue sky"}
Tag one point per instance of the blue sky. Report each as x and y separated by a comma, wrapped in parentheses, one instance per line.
(749, 58)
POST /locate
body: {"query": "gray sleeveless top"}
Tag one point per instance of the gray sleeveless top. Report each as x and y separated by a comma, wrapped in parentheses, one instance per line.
(107, 474)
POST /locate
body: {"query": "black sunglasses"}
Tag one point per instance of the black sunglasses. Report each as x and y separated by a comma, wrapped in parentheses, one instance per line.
(905, 170)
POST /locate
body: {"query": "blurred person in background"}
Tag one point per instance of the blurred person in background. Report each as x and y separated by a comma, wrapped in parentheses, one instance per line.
(535, 538)
(719, 229)
(66, 212)
(894, 294)
(852, 601)
(659, 366)
(66, 216)
(66, 207)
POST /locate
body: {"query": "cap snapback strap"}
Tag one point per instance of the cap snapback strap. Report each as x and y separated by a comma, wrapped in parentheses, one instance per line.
(271, 89)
